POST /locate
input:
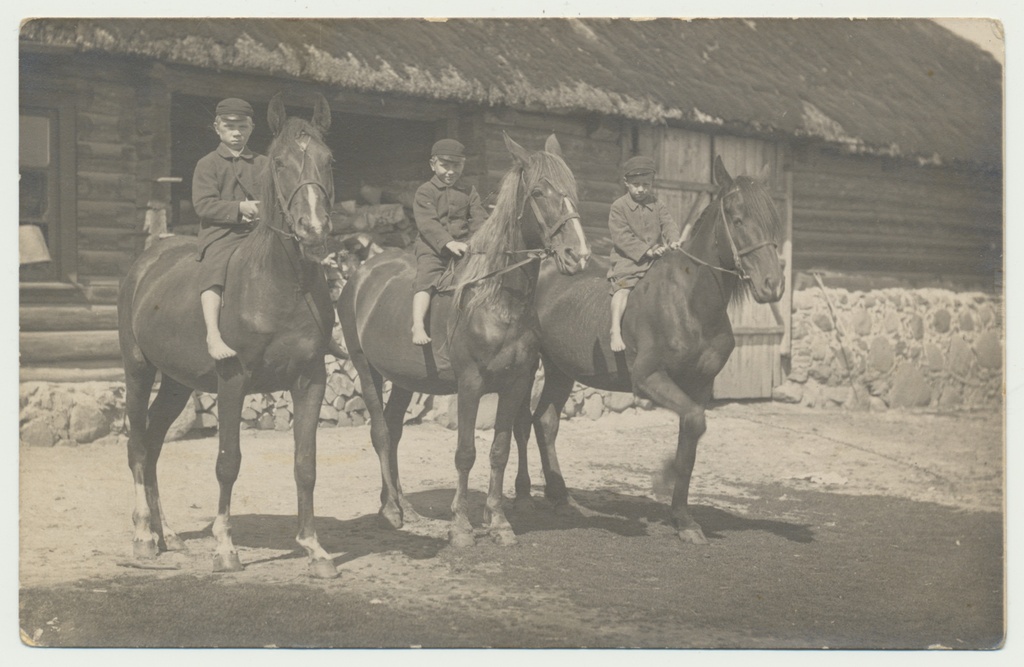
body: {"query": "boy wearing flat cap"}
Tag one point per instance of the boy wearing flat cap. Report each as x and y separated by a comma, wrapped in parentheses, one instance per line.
(642, 230)
(223, 195)
(446, 212)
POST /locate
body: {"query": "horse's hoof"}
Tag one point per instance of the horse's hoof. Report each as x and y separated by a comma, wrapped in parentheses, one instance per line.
(524, 504)
(145, 549)
(392, 515)
(174, 543)
(323, 568)
(461, 539)
(692, 536)
(504, 538)
(229, 563)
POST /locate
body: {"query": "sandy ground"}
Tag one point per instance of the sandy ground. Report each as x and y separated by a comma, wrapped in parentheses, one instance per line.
(76, 503)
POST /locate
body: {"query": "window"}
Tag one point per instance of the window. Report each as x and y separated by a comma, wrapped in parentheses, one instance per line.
(39, 188)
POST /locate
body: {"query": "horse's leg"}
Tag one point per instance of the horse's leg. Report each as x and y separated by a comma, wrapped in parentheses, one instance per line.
(546, 419)
(394, 417)
(231, 387)
(170, 400)
(373, 396)
(510, 401)
(460, 534)
(139, 380)
(521, 433)
(660, 388)
(307, 397)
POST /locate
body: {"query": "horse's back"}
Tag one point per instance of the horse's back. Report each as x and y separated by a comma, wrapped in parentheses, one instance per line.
(375, 309)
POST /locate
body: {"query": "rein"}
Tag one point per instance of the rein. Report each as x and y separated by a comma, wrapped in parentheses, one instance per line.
(736, 253)
(532, 255)
(285, 203)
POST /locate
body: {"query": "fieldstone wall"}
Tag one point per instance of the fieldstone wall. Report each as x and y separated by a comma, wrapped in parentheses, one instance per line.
(876, 349)
(70, 414)
(895, 348)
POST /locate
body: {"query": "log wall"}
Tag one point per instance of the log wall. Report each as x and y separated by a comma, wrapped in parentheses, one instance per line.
(934, 225)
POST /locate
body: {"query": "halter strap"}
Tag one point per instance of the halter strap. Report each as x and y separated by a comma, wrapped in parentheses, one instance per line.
(737, 254)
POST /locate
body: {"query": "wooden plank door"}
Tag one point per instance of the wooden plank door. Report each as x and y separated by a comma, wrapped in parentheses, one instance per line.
(761, 330)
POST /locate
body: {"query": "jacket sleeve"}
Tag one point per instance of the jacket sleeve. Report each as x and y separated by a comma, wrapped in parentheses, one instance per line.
(428, 222)
(477, 212)
(623, 237)
(206, 196)
(671, 229)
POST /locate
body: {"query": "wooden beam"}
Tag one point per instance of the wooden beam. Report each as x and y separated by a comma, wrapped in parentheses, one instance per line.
(67, 318)
(41, 347)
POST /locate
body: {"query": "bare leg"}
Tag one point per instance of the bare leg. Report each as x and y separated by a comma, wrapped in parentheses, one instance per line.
(618, 307)
(210, 300)
(307, 397)
(420, 306)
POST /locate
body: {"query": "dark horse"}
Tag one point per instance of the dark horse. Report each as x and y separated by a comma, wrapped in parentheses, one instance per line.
(277, 314)
(677, 332)
(484, 337)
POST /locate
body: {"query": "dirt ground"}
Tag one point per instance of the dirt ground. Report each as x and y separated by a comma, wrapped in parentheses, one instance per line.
(76, 504)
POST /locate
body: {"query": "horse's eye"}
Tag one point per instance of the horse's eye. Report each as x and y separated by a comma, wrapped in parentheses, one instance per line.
(536, 193)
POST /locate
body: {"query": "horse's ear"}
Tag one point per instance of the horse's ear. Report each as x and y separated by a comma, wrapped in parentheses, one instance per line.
(519, 154)
(552, 146)
(321, 114)
(276, 113)
(764, 174)
(722, 178)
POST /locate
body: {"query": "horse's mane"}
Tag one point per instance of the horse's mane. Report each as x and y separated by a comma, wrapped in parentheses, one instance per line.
(492, 246)
(760, 206)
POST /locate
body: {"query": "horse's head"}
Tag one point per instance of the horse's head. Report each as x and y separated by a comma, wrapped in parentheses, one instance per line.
(549, 191)
(300, 168)
(748, 237)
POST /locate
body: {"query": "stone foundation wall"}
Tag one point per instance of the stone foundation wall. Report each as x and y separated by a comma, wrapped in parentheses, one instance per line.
(895, 348)
(879, 349)
(72, 414)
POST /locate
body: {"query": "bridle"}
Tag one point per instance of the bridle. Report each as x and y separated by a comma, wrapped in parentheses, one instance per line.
(737, 254)
(547, 232)
(284, 203)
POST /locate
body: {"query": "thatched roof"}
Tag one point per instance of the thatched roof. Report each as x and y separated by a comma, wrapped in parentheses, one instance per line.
(904, 87)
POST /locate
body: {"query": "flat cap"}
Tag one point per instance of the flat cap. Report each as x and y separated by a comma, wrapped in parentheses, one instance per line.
(638, 164)
(233, 106)
(448, 147)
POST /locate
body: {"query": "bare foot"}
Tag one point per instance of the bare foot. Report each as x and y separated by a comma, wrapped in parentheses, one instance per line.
(419, 336)
(617, 344)
(219, 349)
